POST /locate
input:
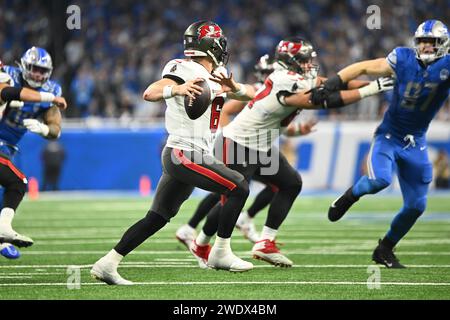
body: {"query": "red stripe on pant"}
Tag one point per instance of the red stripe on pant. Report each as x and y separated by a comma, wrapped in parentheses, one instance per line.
(16, 171)
(273, 187)
(203, 171)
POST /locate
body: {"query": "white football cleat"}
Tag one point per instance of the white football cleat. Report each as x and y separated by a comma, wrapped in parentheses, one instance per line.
(268, 251)
(247, 227)
(7, 234)
(220, 259)
(186, 235)
(201, 253)
(105, 271)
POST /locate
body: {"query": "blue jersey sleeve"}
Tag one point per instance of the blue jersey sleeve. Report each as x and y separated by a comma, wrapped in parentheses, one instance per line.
(398, 58)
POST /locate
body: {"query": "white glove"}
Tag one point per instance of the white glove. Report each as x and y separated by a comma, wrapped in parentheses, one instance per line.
(377, 86)
(36, 126)
(16, 104)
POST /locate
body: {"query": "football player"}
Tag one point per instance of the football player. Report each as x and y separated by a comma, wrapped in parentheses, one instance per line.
(187, 233)
(27, 94)
(422, 85)
(185, 158)
(290, 88)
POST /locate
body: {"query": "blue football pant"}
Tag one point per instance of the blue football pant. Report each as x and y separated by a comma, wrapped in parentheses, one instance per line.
(414, 173)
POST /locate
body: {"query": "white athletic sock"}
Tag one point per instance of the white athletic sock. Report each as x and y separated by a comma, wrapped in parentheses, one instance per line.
(223, 244)
(6, 217)
(246, 217)
(202, 239)
(268, 233)
(114, 257)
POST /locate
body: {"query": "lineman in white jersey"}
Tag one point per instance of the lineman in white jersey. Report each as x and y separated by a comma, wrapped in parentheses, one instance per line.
(247, 143)
(185, 159)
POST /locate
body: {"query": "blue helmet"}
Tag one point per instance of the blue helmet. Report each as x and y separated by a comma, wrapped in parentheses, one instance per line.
(438, 32)
(36, 66)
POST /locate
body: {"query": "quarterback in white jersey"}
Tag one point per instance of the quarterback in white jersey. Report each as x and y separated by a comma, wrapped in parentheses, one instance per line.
(185, 133)
(185, 159)
(247, 141)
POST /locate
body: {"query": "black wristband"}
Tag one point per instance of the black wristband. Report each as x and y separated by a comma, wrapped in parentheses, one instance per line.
(335, 83)
(333, 101)
(10, 94)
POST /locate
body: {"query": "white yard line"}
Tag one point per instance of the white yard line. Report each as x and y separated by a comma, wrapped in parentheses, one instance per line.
(329, 251)
(221, 283)
(152, 265)
(405, 242)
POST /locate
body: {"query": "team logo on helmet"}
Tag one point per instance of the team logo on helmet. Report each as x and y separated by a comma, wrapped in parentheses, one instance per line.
(289, 47)
(210, 31)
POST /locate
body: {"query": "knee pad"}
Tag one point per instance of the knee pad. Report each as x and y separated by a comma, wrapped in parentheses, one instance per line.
(419, 205)
(242, 189)
(295, 185)
(151, 213)
(380, 183)
(18, 186)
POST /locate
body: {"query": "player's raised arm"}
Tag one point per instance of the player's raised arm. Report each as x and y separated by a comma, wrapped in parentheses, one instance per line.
(8, 93)
(376, 67)
(320, 97)
(233, 89)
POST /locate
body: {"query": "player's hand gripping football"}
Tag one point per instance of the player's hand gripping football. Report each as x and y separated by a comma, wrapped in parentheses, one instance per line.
(189, 88)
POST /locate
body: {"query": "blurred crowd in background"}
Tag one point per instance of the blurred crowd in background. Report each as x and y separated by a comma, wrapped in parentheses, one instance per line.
(123, 45)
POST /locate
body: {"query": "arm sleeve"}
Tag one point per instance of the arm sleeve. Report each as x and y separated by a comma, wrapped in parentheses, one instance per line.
(392, 59)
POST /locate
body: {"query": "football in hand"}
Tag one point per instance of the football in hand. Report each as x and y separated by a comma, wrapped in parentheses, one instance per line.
(196, 107)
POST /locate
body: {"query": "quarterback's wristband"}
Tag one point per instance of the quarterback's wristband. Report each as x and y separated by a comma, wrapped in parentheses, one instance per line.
(10, 93)
(242, 90)
(47, 96)
(167, 92)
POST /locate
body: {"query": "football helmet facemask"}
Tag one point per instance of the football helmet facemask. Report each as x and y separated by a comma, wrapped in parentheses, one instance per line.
(298, 55)
(437, 33)
(36, 66)
(205, 39)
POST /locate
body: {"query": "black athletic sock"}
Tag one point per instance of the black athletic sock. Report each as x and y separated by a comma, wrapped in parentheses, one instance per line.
(388, 244)
(139, 232)
(212, 220)
(261, 201)
(229, 215)
(280, 206)
(12, 198)
(203, 208)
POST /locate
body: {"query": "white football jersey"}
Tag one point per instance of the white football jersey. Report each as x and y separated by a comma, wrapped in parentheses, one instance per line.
(265, 117)
(6, 79)
(185, 133)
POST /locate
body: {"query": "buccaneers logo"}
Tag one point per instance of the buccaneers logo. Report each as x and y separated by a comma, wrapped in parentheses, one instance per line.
(289, 47)
(211, 31)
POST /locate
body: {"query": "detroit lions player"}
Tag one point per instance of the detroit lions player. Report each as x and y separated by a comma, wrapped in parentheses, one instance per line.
(34, 72)
(421, 88)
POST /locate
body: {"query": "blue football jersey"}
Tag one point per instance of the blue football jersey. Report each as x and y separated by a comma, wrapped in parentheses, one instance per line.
(11, 124)
(418, 94)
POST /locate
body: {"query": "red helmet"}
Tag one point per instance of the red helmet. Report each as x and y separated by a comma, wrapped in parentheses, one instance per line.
(291, 52)
(205, 39)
